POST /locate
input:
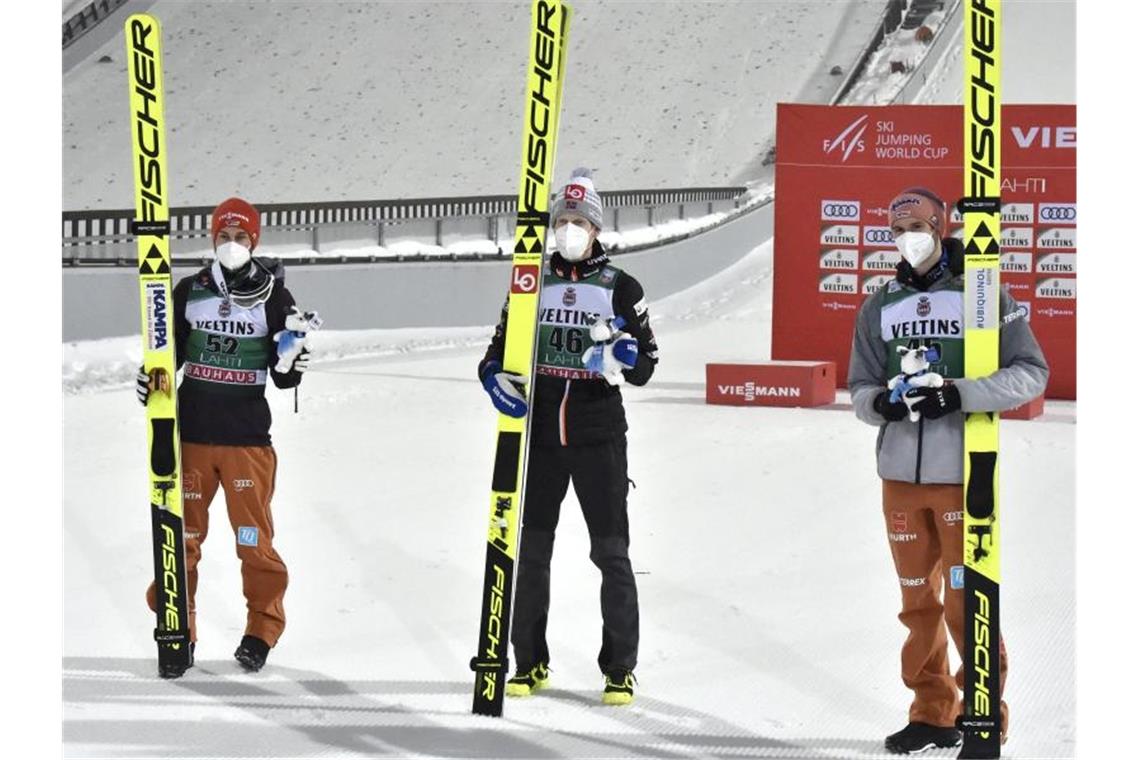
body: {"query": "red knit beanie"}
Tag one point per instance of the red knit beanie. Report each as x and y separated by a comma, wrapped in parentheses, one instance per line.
(919, 203)
(234, 212)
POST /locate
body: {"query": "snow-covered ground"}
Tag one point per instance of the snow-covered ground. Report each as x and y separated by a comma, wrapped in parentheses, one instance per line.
(768, 596)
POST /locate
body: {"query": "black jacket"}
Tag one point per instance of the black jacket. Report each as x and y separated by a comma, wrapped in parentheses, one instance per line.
(218, 419)
(593, 408)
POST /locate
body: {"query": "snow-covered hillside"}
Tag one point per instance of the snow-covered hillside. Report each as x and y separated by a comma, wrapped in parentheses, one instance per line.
(290, 101)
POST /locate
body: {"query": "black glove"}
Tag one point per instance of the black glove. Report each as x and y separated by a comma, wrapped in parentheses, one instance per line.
(933, 403)
(892, 410)
(142, 386)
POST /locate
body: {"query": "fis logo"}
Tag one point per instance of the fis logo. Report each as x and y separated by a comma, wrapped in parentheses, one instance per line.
(157, 318)
(849, 141)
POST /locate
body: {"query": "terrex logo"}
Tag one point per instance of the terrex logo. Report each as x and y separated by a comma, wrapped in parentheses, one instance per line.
(849, 140)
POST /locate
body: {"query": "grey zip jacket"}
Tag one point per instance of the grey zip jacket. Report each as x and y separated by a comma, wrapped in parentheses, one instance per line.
(931, 451)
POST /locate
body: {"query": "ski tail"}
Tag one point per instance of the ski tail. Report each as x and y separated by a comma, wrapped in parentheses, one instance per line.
(151, 228)
(981, 211)
(550, 25)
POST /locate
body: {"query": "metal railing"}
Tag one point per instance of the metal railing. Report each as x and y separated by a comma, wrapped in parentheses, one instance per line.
(88, 236)
(86, 19)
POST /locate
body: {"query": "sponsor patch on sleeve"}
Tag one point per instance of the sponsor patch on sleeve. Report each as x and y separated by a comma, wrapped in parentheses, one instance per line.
(641, 307)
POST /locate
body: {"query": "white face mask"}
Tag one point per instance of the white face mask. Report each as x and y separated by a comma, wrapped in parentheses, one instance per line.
(232, 255)
(573, 242)
(915, 247)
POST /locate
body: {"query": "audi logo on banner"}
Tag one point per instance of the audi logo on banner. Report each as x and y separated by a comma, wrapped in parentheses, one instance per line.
(1057, 212)
(839, 211)
(878, 236)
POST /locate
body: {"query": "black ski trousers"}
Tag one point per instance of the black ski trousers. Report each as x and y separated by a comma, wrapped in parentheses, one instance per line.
(598, 472)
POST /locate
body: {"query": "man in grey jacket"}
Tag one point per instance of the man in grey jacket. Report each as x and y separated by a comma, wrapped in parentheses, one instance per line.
(920, 462)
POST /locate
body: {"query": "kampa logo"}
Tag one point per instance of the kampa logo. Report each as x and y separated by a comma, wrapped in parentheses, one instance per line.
(839, 234)
(752, 391)
(839, 258)
(878, 236)
(839, 283)
(849, 141)
(156, 315)
(1057, 212)
(839, 211)
(1057, 263)
(1057, 287)
(1045, 137)
(1057, 237)
(241, 484)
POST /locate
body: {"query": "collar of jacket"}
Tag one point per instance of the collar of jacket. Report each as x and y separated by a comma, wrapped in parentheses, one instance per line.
(952, 264)
(249, 279)
(579, 270)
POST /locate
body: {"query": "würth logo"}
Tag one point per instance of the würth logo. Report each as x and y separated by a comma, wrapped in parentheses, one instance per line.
(849, 140)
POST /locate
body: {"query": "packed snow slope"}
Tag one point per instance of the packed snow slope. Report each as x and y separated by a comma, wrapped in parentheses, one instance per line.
(768, 598)
(306, 101)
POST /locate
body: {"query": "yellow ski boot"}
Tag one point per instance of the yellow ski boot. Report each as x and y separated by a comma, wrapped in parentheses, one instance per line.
(525, 683)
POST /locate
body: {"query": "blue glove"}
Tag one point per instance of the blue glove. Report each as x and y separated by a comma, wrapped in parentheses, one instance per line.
(625, 350)
(507, 390)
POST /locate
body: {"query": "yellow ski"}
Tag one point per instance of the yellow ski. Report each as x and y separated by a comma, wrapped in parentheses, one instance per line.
(981, 211)
(550, 24)
(150, 228)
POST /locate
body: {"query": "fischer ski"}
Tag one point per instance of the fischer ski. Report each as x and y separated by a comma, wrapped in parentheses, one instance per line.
(981, 211)
(151, 227)
(550, 24)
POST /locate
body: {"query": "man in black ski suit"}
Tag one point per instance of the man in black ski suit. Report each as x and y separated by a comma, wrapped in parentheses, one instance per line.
(593, 334)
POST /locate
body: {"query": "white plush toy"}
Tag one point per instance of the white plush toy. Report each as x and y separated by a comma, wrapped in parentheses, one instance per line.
(915, 373)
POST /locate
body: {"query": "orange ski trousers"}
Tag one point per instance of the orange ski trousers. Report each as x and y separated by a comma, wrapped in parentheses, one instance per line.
(924, 529)
(246, 474)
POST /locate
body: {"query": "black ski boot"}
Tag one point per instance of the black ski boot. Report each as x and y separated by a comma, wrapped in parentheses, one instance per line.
(917, 737)
(251, 653)
(176, 671)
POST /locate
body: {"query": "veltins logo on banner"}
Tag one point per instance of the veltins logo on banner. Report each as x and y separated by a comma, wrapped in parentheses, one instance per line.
(839, 283)
(839, 234)
(1057, 237)
(1016, 262)
(886, 260)
(1057, 263)
(1057, 287)
(839, 258)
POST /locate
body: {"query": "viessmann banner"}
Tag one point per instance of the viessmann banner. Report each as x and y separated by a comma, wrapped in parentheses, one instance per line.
(838, 167)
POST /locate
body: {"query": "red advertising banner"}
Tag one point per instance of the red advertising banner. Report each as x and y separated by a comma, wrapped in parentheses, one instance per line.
(837, 167)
